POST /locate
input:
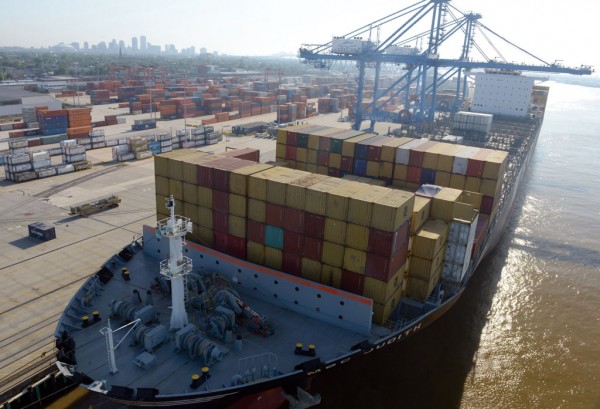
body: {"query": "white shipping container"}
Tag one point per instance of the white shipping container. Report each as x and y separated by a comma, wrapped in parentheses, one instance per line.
(74, 158)
(61, 169)
(18, 144)
(17, 158)
(121, 120)
(112, 142)
(74, 150)
(176, 145)
(347, 45)
(40, 155)
(403, 151)
(68, 142)
(24, 176)
(40, 164)
(166, 143)
(21, 167)
(125, 156)
(166, 149)
(164, 137)
(123, 141)
(143, 155)
(188, 144)
(97, 139)
(84, 141)
(121, 149)
(96, 133)
(44, 173)
(87, 146)
(99, 145)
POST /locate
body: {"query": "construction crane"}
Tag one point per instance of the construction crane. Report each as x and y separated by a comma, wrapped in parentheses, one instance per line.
(424, 69)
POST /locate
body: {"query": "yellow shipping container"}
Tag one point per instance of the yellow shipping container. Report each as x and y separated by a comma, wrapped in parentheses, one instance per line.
(457, 181)
(190, 193)
(361, 204)
(257, 185)
(331, 276)
(442, 178)
(424, 268)
(490, 187)
(301, 155)
(316, 195)
(301, 166)
(277, 181)
(282, 136)
(373, 169)
(357, 236)
(237, 205)
(348, 145)
(339, 198)
(335, 160)
(310, 269)
(381, 291)
(205, 235)
(312, 156)
(312, 168)
(291, 164)
(442, 204)
(472, 198)
(333, 254)
(429, 239)
(255, 252)
(280, 152)
(238, 178)
(495, 164)
(176, 188)
(273, 257)
(190, 211)
(296, 190)
(355, 260)
(165, 164)
(161, 209)
(162, 185)
(382, 311)
(392, 210)
(256, 210)
(421, 289)
(335, 231)
(473, 184)
(237, 226)
(323, 170)
(386, 170)
(388, 149)
(421, 212)
(204, 197)
(446, 157)
(205, 217)
(400, 172)
(463, 211)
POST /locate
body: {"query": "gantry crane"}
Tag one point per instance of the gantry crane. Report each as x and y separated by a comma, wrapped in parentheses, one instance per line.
(424, 70)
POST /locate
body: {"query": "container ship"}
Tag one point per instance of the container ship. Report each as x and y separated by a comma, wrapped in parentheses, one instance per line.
(276, 273)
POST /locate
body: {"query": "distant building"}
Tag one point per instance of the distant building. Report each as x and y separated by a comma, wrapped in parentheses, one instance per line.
(203, 51)
(134, 44)
(75, 45)
(86, 46)
(121, 45)
(143, 43)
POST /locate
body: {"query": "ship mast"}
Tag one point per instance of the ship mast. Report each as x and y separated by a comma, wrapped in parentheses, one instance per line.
(176, 266)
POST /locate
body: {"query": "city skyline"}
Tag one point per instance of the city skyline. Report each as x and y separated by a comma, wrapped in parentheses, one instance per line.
(554, 32)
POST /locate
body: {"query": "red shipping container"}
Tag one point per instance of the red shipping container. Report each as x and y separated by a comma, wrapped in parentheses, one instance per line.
(220, 221)
(325, 143)
(220, 201)
(255, 231)
(323, 158)
(352, 282)
(313, 248)
(204, 174)
(334, 172)
(34, 142)
(274, 215)
(236, 246)
(290, 152)
(291, 264)
(293, 219)
(347, 164)
(476, 163)
(245, 154)
(384, 243)
(293, 242)
(417, 154)
(314, 225)
(414, 174)
(480, 233)
(292, 139)
(220, 241)
(383, 268)
(221, 171)
(487, 204)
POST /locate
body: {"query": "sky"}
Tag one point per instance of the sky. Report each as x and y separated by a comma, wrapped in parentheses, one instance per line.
(550, 30)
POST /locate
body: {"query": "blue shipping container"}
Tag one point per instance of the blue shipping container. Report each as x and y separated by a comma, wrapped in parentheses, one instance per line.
(360, 167)
(274, 237)
(427, 176)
